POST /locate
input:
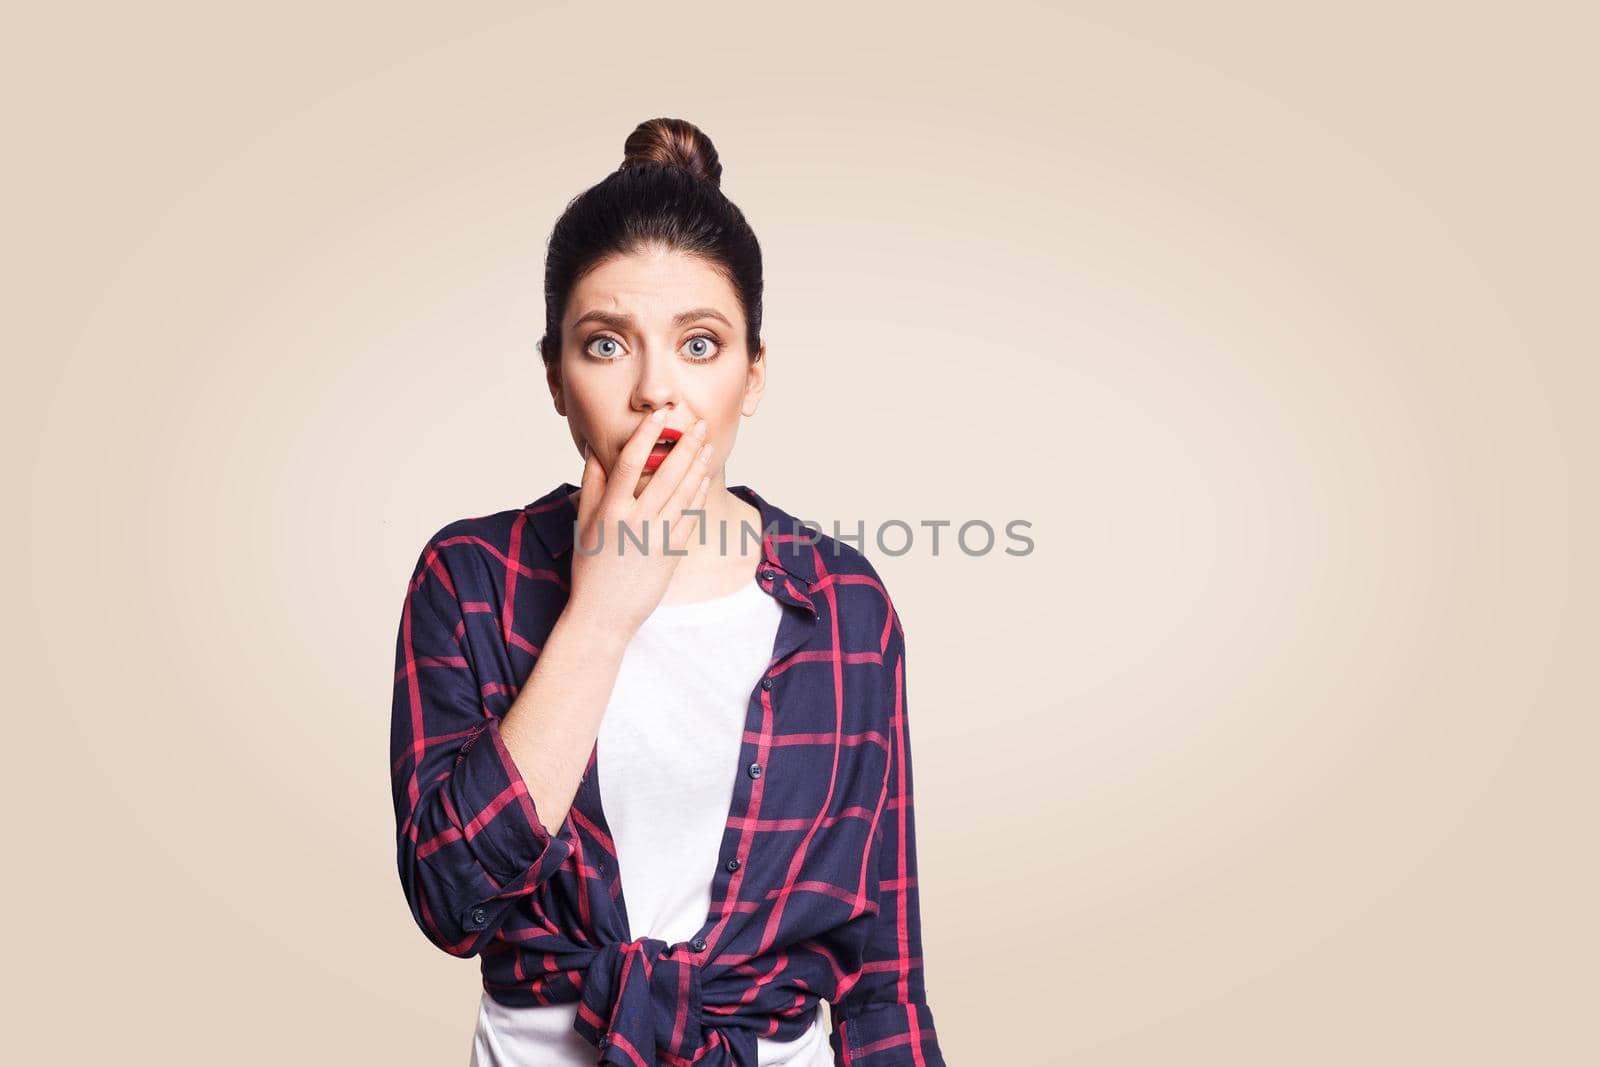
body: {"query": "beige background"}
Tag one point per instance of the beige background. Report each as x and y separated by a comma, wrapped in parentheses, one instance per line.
(1278, 328)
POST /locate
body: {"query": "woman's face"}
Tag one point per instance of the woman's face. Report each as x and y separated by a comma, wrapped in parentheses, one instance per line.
(655, 329)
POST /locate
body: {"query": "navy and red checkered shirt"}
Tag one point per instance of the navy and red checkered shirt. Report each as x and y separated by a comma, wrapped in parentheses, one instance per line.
(815, 895)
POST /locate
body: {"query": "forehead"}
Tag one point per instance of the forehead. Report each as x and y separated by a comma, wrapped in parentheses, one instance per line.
(653, 285)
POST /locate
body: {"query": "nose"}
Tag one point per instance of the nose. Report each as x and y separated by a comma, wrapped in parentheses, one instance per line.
(657, 385)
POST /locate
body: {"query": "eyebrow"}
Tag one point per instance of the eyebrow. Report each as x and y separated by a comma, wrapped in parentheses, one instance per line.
(625, 322)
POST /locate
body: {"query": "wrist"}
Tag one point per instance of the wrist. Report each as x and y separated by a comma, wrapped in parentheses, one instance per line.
(594, 628)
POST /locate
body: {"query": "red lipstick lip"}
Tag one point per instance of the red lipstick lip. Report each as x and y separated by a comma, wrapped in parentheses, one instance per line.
(669, 437)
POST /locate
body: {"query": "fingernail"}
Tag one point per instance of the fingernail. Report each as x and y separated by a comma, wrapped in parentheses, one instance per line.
(658, 415)
(700, 428)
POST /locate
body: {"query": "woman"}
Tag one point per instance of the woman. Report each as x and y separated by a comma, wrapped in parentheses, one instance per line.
(756, 794)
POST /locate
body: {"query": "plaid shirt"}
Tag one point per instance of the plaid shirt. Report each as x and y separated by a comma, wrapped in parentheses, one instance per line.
(816, 893)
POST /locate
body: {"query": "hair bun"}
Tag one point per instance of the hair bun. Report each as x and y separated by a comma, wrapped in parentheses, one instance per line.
(673, 143)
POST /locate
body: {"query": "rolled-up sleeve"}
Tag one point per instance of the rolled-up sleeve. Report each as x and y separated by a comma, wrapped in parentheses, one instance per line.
(469, 839)
(883, 1020)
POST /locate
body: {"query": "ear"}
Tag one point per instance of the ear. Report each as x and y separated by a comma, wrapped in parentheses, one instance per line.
(755, 382)
(552, 377)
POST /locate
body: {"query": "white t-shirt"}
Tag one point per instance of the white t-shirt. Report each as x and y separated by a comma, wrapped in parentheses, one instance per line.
(668, 746)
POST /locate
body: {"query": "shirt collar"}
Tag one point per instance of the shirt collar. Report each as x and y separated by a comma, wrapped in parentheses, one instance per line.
(786, 544)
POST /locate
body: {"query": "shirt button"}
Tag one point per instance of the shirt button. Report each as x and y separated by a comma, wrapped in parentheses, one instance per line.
(755, 770)
(733, 864)
(479, 918)
(767, 575)
(766, 683)
(698, 944)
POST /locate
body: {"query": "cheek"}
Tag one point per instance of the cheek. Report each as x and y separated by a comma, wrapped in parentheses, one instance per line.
(724, 439)
(586, 416)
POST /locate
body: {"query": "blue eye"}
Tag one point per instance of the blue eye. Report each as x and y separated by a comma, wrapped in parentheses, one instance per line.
(701, 355)
(701, 348)
(603, 340)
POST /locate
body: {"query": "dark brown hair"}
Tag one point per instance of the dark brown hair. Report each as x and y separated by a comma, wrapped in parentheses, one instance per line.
(667, 193)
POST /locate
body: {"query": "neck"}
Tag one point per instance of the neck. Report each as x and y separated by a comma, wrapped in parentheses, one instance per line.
(724, 530)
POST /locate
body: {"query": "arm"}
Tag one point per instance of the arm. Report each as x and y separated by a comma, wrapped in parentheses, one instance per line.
(472, 789)
(884, 1019)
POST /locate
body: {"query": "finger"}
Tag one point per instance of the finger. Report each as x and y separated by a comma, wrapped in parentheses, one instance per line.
(669, 477)
(692, 487)
(625, 472)
(685, 486)
(591, 488)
